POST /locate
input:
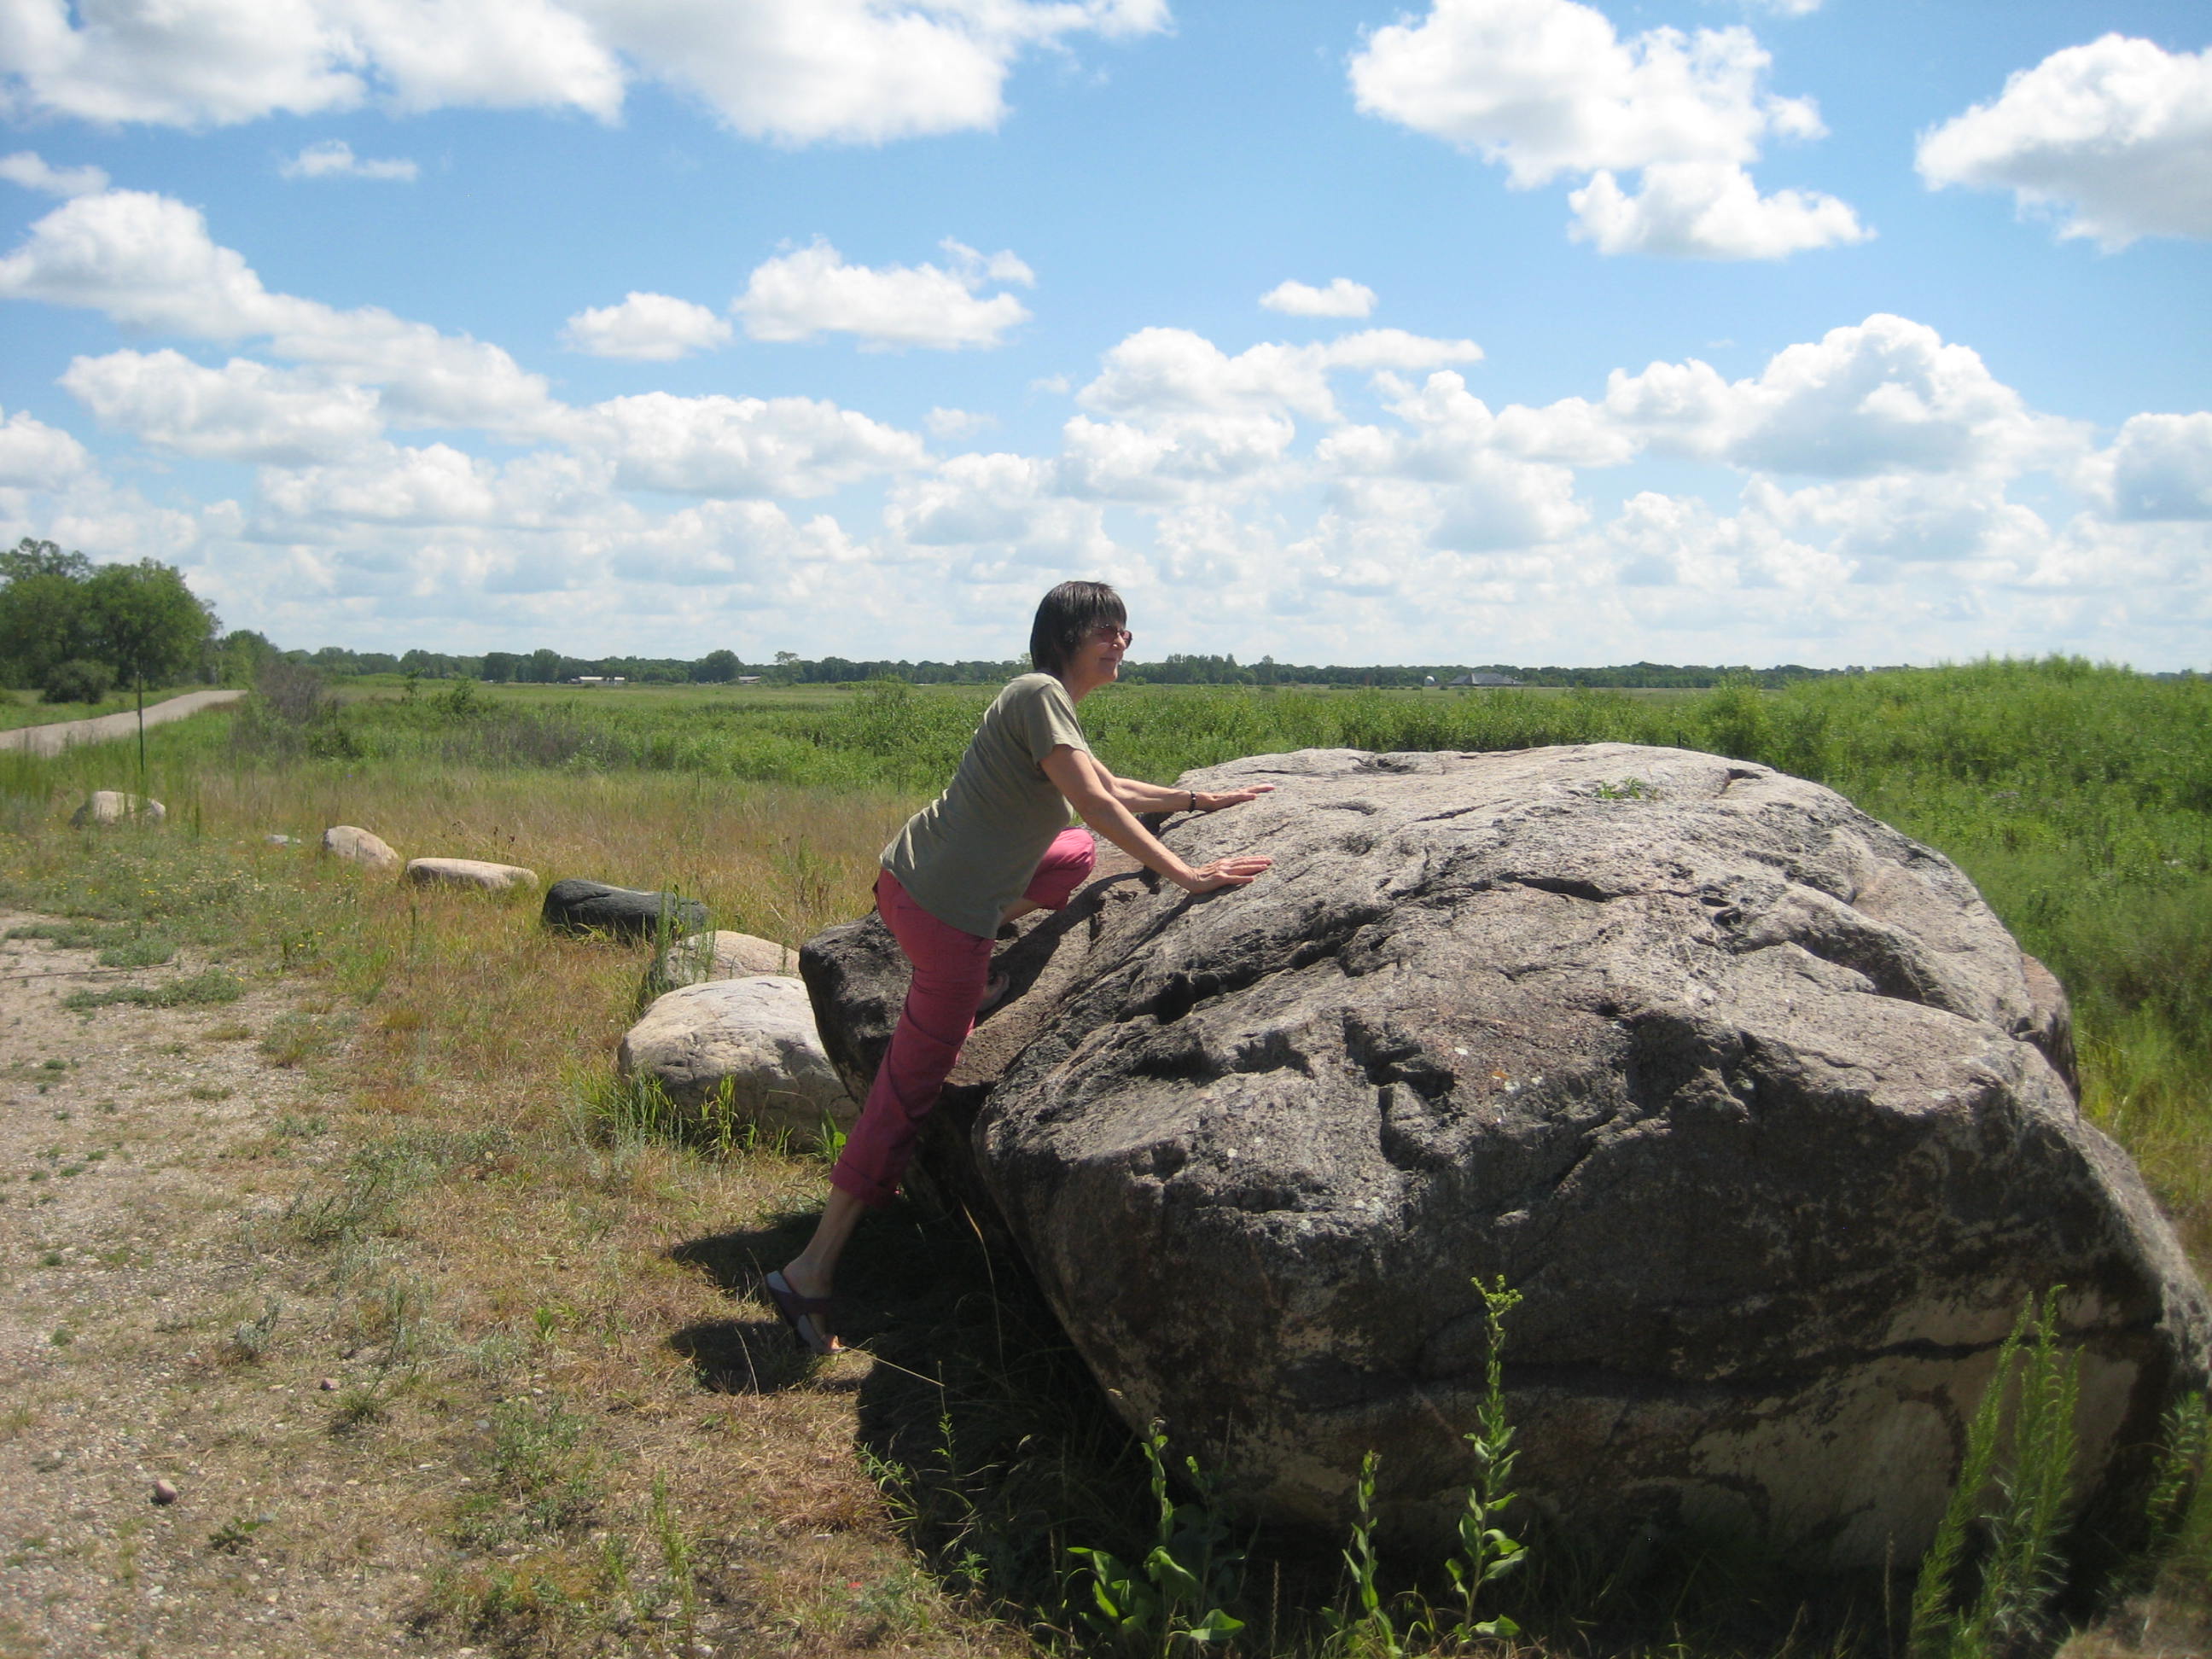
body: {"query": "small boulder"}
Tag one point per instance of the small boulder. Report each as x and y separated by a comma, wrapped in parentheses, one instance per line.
(280, 841)
(704, 957)
(470, 872)
(113, 806)
(577, 906)
(754, 1037)
(164, 1492)
(357, 846)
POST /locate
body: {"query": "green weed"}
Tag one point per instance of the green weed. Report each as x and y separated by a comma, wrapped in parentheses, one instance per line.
(1176, 1598)
(213, 985)
(250, 1341)
(2028, 1452)
(236, 1533)
(1365, 1631)
(1486, 1553)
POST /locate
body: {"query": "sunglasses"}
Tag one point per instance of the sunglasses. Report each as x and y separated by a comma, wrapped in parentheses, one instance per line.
(1109, 634)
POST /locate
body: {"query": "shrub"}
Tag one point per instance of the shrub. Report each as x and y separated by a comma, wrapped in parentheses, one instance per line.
(78, 680)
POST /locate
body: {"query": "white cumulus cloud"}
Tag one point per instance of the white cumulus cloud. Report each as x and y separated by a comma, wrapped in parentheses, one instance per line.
(1000, 503)
(795, 71)
(1886, 396)
(208, 62)
(1546, 88)
(2159, 467)
(31, 170)
(1706, 211)
(654, 328)
(2114, 136)
(36, 456)
(739, 447)
(813, 291)
(333, 158)
(147, 261)
(243, 411)
(1342, 298)
(1169, 371)
(804, 71)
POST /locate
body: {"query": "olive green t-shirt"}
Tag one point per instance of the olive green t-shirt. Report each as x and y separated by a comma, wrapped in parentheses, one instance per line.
(969, 853)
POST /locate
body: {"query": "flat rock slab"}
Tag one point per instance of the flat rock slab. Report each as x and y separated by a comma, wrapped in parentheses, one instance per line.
(574, 905)
(1752, 1099)
(469, 873)
(113, 806)
(725, 955)
(355, 845)
(752, 1039)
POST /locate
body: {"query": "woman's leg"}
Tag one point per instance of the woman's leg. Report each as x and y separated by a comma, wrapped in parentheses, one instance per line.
(950, 967)
(1065, 865)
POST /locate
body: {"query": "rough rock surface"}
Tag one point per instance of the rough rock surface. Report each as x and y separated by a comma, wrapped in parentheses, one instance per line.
(114, 806)
(724, 954)
(754, 1035)
(577, 905)
(469, 873)
(1751, 1096)
(357, 846)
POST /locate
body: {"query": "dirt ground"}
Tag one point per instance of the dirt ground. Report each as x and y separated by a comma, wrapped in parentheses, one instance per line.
(145, 1155)
(206, 1447)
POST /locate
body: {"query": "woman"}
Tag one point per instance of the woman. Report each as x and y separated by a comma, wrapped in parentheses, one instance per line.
(995, 845)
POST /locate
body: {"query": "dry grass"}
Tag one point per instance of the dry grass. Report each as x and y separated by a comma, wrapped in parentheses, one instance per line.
(638, 1461)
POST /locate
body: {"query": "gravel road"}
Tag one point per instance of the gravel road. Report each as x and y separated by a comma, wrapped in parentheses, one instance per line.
(52, 739)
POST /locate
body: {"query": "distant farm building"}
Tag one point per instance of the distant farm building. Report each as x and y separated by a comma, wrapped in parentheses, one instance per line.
(598, 679)
(1486, 677)
(749, 679)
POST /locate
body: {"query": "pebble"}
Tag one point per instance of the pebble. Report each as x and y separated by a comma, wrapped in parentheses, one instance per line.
(328, 1385)
(164, 1492)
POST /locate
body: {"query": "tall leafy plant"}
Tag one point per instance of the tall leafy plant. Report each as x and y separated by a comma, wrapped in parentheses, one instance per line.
(1176, 1599)
(2010, 1500)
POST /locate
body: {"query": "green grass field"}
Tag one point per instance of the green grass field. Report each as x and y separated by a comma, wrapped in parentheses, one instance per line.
(2078, 798)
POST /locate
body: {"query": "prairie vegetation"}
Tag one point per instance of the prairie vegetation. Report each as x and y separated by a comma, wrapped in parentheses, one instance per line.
(677, 1475)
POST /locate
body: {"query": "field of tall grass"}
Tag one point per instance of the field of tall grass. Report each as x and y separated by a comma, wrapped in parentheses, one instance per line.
(2078, 798)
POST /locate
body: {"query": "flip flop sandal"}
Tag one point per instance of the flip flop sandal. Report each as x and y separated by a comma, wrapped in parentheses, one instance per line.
(798, 1310)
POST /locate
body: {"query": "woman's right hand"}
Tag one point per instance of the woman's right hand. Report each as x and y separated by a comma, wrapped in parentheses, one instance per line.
(1224, 872)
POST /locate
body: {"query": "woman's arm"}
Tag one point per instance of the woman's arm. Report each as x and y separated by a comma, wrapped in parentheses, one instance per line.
(1139, 797)
(1089, 789)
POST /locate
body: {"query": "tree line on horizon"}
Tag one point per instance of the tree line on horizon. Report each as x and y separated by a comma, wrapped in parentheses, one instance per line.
(546, 666)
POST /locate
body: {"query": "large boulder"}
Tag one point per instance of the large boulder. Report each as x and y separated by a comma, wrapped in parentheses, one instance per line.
(1750, 1096)
(480, 873)
(724, 954)
(577, 906)
(106, 806)
(753, 1039)
(354, 845)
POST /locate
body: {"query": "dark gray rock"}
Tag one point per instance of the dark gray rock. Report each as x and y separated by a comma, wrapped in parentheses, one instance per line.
(576, 906)
(1751, 1096)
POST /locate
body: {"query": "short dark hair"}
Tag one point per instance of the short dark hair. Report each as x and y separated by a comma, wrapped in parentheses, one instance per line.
(1066, 616)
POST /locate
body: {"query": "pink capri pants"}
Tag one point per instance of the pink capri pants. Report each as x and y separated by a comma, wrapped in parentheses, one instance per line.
(950, 969)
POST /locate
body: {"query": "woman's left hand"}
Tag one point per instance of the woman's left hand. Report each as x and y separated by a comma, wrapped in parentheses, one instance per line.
(1205, 803)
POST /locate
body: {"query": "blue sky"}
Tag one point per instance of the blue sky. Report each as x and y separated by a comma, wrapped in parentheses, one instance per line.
(1483, 331)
